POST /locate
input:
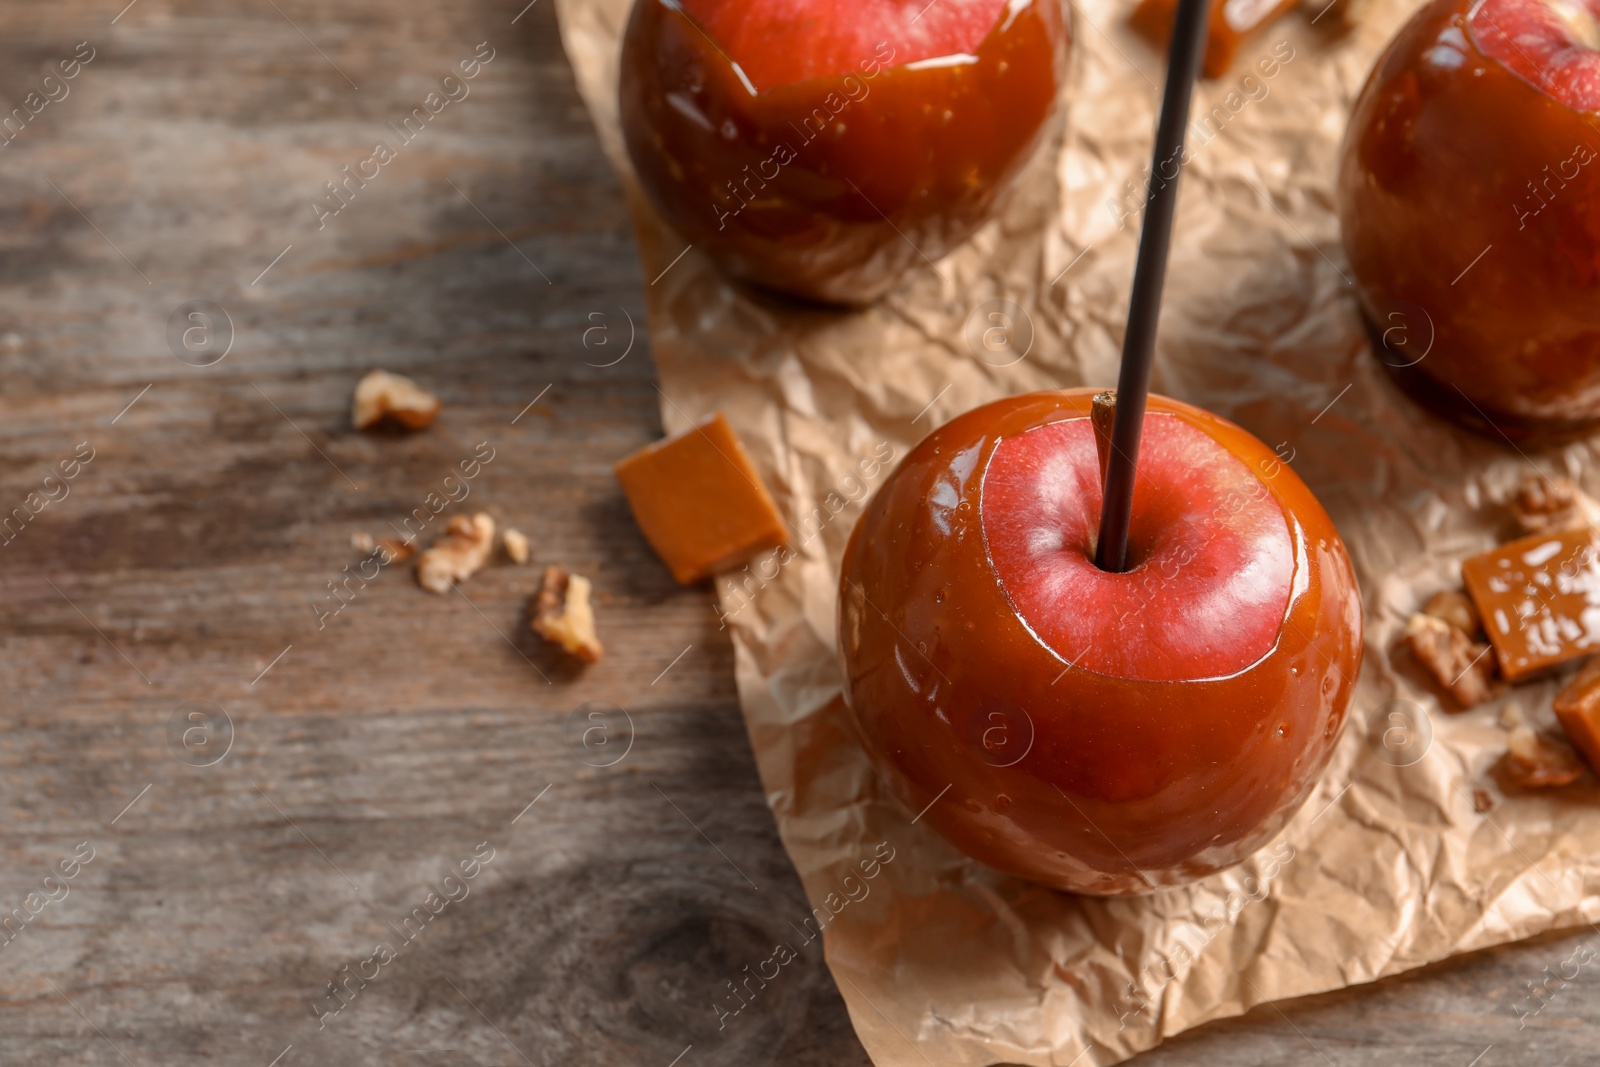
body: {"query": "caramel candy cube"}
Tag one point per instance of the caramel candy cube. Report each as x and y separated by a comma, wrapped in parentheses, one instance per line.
(1539, 598)
(700, 502)
(1578, 711)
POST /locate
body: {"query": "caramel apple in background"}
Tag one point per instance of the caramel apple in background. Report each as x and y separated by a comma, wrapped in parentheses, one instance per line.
(824, 148)
(1100, 732)
(1469, 196)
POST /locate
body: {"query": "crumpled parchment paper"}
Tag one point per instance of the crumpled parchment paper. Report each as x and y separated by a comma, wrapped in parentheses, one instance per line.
(1389, 866)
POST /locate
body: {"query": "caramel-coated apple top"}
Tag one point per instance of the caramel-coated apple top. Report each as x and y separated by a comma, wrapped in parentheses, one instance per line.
(1552, 44)
(1099, 732)
(824, 148)
(779, 42)
(1205, 526)
(1469, 207)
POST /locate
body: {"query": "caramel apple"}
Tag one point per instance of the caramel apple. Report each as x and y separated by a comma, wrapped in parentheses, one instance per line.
(824, 148)
(1469, 196)
(1100, 732)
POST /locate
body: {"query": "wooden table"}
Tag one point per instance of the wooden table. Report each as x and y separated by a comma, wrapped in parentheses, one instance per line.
(271, 789)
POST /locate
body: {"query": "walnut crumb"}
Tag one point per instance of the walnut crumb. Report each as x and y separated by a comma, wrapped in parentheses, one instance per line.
(1461, 665)
(1456, 608)
(1511, 715)
(381, 395)
(561, 613)
(362, 543)
(1545, 505)
(516, 543)
(1482, 801)
(458, 555)
(1536, 762)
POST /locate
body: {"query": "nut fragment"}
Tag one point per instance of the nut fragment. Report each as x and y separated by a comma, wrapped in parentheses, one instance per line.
(561, 613)
(1511, 715)
(1543, 504)
(516, 543)
(362, 543)
(1578, 710)
(1482, 801)
(1536, 762)
(1456, 608)
(458, 555)
(381, 395)
(1458, 663)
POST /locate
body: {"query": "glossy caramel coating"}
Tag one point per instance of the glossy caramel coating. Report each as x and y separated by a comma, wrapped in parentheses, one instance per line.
(1450, 157)
(831, 188)
(1074, 779)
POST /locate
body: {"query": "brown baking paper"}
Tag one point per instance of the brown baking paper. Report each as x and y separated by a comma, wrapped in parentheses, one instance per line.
(1388, 866)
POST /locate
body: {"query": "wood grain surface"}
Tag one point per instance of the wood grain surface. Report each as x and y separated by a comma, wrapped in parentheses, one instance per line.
(497, 858)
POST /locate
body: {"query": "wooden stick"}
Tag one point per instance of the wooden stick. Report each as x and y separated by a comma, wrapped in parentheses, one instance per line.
(1102, 414)
(1189, 30)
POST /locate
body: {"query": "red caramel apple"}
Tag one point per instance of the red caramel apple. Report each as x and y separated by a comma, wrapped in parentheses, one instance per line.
(1097, 732)
(1469, 195)
(824, 147)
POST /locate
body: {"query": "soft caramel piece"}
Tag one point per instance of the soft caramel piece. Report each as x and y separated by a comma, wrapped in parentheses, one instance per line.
(381, 395)
(1578, 710)
(1231, 22)
(1539, 598)
(700, 502)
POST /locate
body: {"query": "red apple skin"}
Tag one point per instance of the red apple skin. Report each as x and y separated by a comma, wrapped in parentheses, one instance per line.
(1450, 156)
(902, 166)
(1080, 780)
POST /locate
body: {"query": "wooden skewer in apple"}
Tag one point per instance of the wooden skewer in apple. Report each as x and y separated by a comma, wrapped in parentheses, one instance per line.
(1105, 699)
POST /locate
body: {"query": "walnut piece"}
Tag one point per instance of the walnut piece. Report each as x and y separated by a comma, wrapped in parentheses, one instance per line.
(1543, 505)
(1456, 608)
(458, 555)
(561, 613)
(1535, 762)
(1577, 708)
(381, 395)
(1482, 801)
(1511, 715)
(1458, 663)
(362, 543)
(516, 543)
